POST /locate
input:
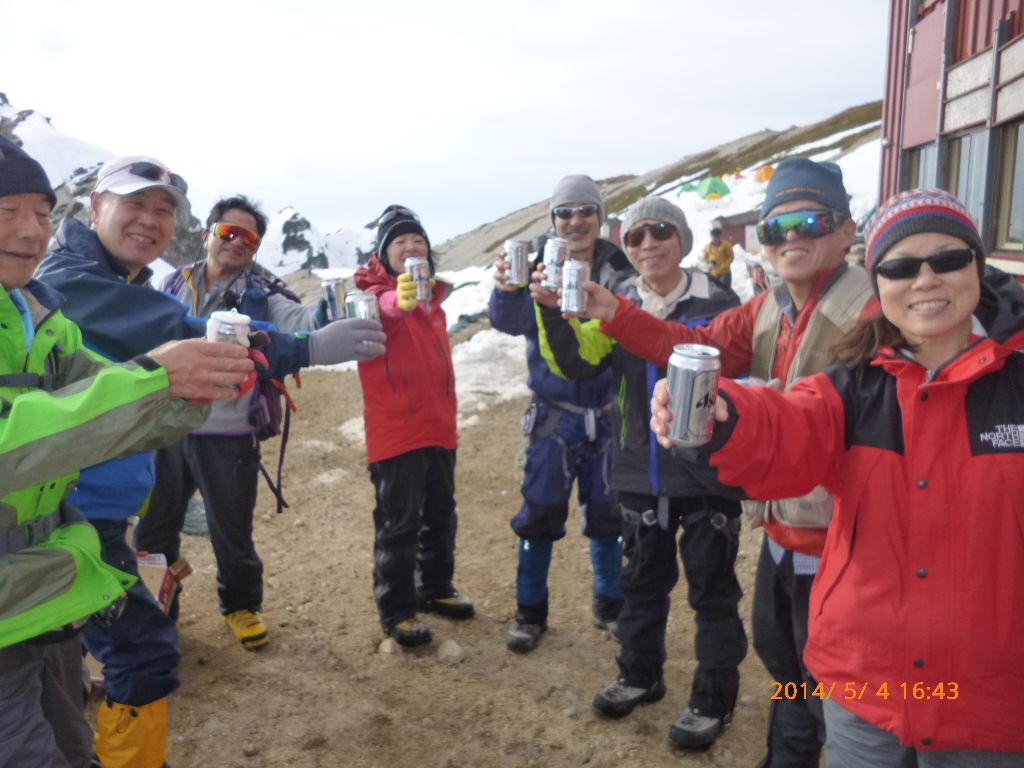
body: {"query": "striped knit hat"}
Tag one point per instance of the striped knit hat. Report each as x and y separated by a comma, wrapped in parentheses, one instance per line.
(914, 212)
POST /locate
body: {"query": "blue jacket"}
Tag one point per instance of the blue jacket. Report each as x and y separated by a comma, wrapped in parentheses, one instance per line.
(122, 319)
(516, 314)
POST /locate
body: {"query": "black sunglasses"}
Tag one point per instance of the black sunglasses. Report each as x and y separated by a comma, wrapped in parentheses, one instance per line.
(396, 211)
(907, 267)
(660, 232)
(566, 212)
(153, 172)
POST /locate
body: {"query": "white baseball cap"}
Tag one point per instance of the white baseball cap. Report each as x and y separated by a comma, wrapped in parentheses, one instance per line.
(128, 175)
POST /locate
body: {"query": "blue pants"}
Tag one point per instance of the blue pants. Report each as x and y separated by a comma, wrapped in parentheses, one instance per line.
(139, 652)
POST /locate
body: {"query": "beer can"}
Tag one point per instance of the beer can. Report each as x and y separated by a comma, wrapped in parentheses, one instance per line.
(333, 292)
(419, 268)
(556, 251)
(517, 256)
(362, 305)
(693, 371)
(228, 326)
(574, 275)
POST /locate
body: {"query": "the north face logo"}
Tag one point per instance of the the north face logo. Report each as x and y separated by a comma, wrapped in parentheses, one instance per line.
(1004, 436)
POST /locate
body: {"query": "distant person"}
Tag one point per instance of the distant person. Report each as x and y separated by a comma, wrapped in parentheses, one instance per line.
(718, 257)
(915, 620)
(103, 272)
(409, 409)
(222, 458)
(65, 407)
(781, 335)
(657, 492)
(567, 426)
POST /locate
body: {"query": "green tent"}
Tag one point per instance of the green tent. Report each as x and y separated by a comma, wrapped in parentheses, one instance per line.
(690, 186)
(712, 187)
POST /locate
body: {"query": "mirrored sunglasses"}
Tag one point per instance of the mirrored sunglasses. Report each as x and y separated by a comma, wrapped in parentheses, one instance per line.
(907, 267)
(566, 212)
(230, 232)
(660, 232)
(154, 172)
(808, 225)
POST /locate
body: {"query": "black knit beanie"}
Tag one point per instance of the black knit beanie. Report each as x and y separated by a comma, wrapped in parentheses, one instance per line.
(20, 174)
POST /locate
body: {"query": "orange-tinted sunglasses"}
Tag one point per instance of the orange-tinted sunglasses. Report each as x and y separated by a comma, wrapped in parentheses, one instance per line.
(231, 232)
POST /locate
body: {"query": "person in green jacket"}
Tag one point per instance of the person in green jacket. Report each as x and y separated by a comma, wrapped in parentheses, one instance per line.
(63, 407)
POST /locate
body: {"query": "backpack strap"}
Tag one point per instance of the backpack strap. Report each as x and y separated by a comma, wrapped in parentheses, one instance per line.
(289, 406)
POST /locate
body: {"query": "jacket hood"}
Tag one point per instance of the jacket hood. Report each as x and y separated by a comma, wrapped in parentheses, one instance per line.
(81, 251)
(1001, 306)
(373, 273)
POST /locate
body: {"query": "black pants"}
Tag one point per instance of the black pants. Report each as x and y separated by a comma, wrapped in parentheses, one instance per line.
(796, 728)
(225, 469)
(414, 524)
(708, 548)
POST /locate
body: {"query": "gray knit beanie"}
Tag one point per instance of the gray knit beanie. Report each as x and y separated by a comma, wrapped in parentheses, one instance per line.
(580, 189)
(659, 209)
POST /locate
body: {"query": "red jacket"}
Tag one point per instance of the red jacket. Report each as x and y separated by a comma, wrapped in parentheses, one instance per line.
(409, 391)
(732, 333)
(920, 591)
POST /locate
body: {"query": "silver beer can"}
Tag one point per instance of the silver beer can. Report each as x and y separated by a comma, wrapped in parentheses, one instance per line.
(556, 251)
(333, 292)
(228, 326)
(574, 275)
(362, 305)
(517, 256)
(419, 268)
(693, 371)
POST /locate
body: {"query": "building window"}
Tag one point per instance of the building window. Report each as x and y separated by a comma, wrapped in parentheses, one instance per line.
(1010, 206)
(921, 167)
(965, 176)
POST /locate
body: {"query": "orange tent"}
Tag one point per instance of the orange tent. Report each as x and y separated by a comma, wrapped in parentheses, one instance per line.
(764, 173)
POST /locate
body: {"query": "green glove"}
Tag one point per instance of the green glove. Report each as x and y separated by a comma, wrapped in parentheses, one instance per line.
(407, 293)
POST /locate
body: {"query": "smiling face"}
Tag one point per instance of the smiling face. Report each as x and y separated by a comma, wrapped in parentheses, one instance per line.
(933, 311)
(226, 258)
(657, 261)
(405, 247)
(137, 228)
(798, 259)
(579, 231)
(25, 230)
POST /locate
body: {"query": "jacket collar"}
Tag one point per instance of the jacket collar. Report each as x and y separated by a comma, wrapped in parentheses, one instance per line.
(77, 238)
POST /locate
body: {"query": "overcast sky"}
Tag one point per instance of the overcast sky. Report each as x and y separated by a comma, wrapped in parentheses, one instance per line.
(464, 111)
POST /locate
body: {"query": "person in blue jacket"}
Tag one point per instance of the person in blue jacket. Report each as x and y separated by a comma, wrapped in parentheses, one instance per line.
(567, 426)
(104, 275)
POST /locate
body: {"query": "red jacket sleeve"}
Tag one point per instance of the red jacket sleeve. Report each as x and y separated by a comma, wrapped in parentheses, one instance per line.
(647, 337)
(781, 445)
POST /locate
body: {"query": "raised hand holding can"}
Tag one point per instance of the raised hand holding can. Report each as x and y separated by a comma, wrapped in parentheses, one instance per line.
(693, 372)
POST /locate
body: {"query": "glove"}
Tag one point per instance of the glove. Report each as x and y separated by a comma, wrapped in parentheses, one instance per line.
(321, 318)
(407, 293)
(344, 340)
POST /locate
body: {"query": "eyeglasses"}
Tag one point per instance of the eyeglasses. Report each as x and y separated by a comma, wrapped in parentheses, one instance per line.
(393, 212)
(660, 232)
(808, 225)
(230, 232)
(566, 212)
(907, 267)
(154, 172)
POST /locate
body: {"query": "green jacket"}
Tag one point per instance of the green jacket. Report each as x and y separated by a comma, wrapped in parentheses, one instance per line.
(63, 407)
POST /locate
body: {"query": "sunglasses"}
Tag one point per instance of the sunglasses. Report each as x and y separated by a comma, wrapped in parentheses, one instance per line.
(660, 232)
(231, 232)
(908, 267)
(566, 212)
(396, 211)
(808, 225)
(154, 172)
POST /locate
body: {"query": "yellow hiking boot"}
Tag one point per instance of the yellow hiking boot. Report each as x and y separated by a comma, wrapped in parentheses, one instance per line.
(131, 737)
(249, 628)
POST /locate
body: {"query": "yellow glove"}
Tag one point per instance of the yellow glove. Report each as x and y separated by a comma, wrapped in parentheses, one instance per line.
(406, 293)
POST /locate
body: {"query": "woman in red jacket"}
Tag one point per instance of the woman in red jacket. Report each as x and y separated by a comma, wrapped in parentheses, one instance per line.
(917, 610)
(409, 409)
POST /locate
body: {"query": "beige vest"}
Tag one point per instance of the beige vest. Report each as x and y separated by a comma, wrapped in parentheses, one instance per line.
(836, 313)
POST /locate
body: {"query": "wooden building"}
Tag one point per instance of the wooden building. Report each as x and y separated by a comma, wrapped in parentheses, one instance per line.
(953, 112)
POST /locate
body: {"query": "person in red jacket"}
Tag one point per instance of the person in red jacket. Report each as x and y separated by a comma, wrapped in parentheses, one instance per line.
(409, 410)
(916, 611)
(780, 335)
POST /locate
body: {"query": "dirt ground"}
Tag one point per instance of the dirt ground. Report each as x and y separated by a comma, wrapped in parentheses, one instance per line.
(323, 694)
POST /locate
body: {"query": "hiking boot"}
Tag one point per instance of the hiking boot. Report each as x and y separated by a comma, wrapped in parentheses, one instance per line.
(619, 699)
(523, 638)
(694, 730)
(605, 612)
(248, 628)
(455, 606)
(409, 632)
